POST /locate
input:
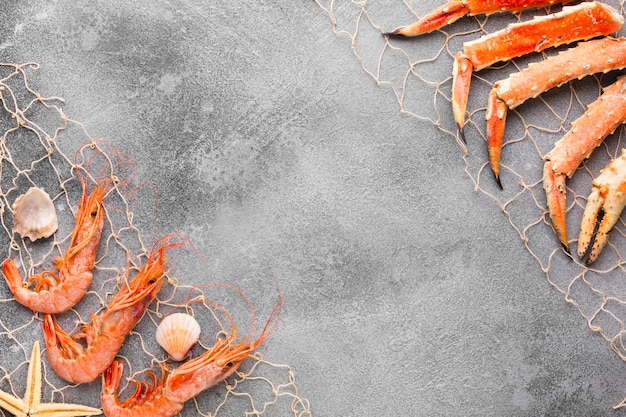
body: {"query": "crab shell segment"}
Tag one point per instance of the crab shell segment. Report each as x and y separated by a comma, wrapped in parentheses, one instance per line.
(587, 58)
(574, 23)
(600, 119)
(608, 195)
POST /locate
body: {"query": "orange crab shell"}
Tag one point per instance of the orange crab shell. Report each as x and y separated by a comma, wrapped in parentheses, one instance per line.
(574, 23)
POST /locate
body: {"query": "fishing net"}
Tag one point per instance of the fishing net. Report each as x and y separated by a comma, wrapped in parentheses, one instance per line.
(42, 147)
(418, 71)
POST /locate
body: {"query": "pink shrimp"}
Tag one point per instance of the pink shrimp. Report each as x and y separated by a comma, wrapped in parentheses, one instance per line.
(56, 293)
(106, 332)
(166, 396)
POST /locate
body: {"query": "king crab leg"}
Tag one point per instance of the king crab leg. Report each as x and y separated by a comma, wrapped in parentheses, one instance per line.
(574, 23)
(590, 57)
(455, 9)
(600, 120)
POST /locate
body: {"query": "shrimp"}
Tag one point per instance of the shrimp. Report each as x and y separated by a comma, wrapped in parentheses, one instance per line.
(106, 332)
(56, 293)
(166, 396)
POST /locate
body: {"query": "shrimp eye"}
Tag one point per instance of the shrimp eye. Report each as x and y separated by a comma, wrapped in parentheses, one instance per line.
(229, 364)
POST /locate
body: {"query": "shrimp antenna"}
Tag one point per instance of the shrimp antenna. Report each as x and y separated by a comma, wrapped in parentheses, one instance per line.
(185, 240)
(237, 290)
(273, 318)
(229, 317)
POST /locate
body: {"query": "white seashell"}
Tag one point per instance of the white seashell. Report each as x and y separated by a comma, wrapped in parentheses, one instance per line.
(177, 333)
(34, 215)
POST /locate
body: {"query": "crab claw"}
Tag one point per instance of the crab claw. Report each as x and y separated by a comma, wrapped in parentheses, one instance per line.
(554, 184)
(604, 207)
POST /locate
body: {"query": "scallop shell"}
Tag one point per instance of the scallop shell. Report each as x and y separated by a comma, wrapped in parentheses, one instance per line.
(34, 215)
(177, 333)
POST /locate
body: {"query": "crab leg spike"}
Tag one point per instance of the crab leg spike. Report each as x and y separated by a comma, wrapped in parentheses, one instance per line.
(554, 185)
(608, 196)
(455, 9)
(461, 77)
(496, 117)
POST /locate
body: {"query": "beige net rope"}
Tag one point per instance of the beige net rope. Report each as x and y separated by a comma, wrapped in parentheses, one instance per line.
(419, 73)
(42, 147)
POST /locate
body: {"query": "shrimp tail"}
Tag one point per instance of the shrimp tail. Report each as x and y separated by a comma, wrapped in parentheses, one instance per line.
(112, 377)
(65, 354)
(13, 279)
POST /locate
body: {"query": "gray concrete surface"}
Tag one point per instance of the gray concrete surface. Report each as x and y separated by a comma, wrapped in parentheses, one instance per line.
(406, 292)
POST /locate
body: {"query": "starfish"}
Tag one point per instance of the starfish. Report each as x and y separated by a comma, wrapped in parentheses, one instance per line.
(31, 406)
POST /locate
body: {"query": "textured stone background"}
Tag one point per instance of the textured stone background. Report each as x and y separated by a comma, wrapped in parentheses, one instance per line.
(406, 293)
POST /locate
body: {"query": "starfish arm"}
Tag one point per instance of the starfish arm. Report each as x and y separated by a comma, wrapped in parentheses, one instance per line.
(15, 406)
(31, 405)
(32, 396)
(64, 410)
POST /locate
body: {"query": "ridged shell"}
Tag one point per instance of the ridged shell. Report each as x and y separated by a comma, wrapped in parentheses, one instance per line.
(34, 215)
(177, 333)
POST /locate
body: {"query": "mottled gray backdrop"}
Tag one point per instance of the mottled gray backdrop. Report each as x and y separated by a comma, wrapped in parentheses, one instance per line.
(406, 292)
